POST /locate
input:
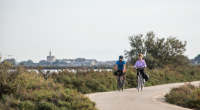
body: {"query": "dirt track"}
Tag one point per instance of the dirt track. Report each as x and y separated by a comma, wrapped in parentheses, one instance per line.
(130, 99)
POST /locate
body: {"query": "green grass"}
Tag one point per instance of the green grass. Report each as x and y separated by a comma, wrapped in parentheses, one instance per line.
(187, 95)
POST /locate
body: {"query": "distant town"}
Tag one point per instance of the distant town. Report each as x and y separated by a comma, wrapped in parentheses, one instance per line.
(52, 61)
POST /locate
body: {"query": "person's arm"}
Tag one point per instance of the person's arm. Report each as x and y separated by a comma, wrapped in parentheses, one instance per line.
(135, 65)
(145, 64)
(116, 67)
(124, 67)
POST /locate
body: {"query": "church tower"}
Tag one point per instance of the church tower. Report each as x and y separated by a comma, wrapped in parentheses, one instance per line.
(50, 58)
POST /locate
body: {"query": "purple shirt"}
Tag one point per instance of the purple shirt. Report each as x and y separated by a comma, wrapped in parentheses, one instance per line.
(140, 64)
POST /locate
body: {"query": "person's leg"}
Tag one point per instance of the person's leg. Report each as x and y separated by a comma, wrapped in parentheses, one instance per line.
(117, 76)
(121, 78)
(124, 77)
(143, 75)
(137, 80)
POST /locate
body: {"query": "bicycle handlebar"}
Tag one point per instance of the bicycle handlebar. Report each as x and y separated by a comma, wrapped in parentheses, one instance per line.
(139, 68)
(119, 72)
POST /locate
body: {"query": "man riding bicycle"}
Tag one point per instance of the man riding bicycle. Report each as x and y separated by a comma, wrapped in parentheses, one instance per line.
(120, 67)
(140, 64)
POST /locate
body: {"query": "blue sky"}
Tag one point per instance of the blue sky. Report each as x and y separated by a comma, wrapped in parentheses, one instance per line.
(92, 29)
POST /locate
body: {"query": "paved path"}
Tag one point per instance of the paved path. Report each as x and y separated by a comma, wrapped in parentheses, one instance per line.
(131, 99)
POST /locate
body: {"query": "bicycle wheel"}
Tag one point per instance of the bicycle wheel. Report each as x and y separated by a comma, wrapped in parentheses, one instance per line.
(118, 84)
(139, 83)
(142, 85)
(122, 86)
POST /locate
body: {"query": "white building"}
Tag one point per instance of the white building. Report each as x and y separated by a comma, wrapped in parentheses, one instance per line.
(110, 63)
(50, 58)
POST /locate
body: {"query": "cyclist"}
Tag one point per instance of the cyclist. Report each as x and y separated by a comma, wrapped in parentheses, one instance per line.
(140, 64)
(120, 67)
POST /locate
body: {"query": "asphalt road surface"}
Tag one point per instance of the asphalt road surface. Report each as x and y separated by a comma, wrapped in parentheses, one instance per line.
(130, 99)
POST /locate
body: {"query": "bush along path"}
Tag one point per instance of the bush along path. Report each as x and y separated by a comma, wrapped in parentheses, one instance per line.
(90, 81)
(186, 96)
(164, 75)
(86, 81)
(24, 90)
(64, 89)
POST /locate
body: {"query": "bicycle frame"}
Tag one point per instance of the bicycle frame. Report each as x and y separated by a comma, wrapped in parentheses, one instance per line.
(119, 81)
(140, 82)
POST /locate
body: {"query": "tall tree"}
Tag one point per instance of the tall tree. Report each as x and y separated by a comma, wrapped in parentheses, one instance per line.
(157, 51)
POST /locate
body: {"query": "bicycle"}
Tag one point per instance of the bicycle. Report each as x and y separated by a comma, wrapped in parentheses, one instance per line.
(120, 80)
(140, 79)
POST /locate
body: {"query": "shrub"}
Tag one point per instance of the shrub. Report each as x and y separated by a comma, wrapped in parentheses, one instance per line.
(86, 80)
(23, 89)
(186, 96)
(90, 81)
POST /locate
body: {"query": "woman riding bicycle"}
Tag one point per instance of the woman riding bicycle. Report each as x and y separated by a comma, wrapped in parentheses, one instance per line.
(120, 67)
(140, 64)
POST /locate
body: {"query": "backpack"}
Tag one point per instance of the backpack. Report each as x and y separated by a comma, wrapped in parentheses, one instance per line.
(146, 76)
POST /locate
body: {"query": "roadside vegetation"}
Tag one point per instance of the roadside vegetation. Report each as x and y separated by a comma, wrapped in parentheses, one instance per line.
(27, 90)
(64, 89)
(166, 75)
(90, 81)
(187, 96)
(24, 89)
(86, 80)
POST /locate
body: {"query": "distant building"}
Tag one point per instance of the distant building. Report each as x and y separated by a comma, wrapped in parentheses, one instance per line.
(91, 61)
(67, 61)
(110, 63)
(50, 58)
(64, 60)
